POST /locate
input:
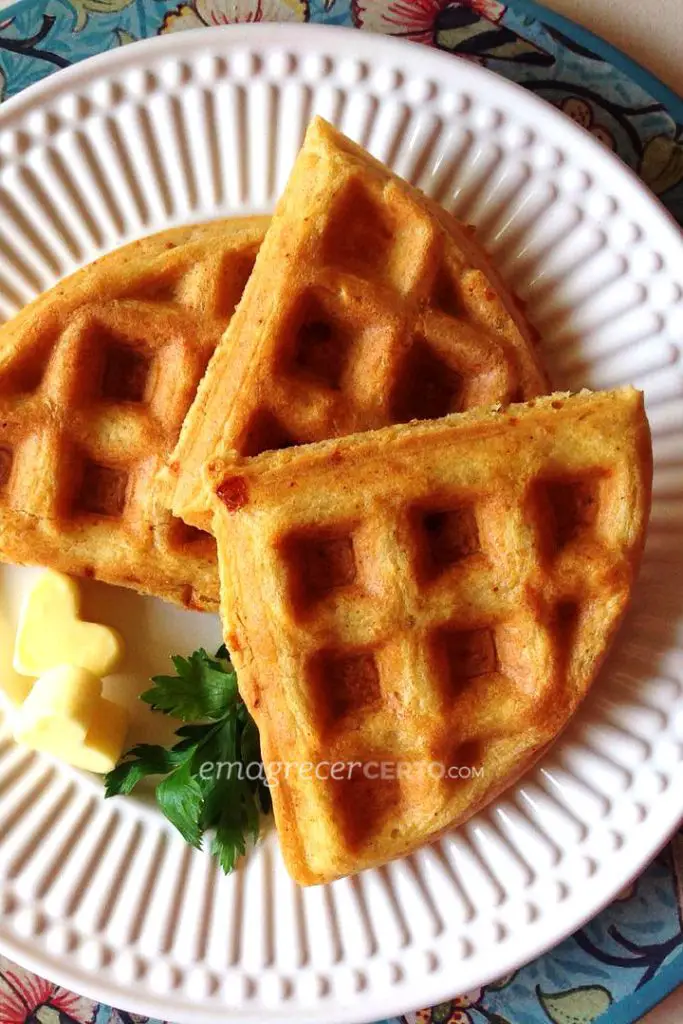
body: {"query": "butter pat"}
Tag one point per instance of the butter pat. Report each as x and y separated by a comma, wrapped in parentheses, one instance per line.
(66, 715)
(14, 689)
(51, 633)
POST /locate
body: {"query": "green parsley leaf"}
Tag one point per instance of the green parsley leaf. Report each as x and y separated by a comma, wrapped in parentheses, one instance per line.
(218, 755)
(140, 762)
(180, 798)
(202, 688)
(205, 785)
(229, 842)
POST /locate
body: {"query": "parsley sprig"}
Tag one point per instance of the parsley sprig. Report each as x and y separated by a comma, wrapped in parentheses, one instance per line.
(217, 730)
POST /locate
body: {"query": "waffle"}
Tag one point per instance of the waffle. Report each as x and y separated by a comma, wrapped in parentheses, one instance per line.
(368, 305)
(95, 379)
(431, 594)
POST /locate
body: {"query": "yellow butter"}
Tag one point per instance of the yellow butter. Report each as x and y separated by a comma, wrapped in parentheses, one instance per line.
(14, 688)
(51, 633)
(65, 715)
(105, 740)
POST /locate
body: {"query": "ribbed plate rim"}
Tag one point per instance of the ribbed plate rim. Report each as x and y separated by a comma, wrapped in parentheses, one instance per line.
(336, 41)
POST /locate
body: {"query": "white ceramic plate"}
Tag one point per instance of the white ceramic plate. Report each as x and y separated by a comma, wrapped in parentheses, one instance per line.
(103, 896)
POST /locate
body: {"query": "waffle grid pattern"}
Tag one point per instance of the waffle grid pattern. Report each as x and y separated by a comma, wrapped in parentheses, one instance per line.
(441, 620)
(367, 307)
(386, 329)
(93, 391)
(579, 827)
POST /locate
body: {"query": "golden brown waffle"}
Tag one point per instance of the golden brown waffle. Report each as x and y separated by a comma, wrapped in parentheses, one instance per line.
(95, 379)
(368, 305)
(434, 593)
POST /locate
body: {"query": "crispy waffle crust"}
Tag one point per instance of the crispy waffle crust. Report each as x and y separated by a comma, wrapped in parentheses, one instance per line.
(440, 592)
(95, 379)
(368, 305)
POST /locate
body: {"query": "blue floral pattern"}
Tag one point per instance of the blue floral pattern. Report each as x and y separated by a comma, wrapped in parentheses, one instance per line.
(626, 946)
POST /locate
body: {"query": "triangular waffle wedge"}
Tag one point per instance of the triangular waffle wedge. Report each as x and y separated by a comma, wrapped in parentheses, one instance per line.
(429, 597)
(95, 379)
(368, 305)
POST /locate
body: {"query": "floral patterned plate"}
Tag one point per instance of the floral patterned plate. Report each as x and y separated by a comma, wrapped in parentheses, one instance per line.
(595, 973)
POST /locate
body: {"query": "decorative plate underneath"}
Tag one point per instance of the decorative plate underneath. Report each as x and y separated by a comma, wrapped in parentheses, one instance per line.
(103, 897)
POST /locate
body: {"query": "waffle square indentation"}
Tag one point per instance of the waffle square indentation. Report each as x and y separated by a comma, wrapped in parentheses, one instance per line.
(448, 537)
(125, 374)
(102, 490)
(466, 654)
(426, 387)
(345, 683)
(567, 509)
